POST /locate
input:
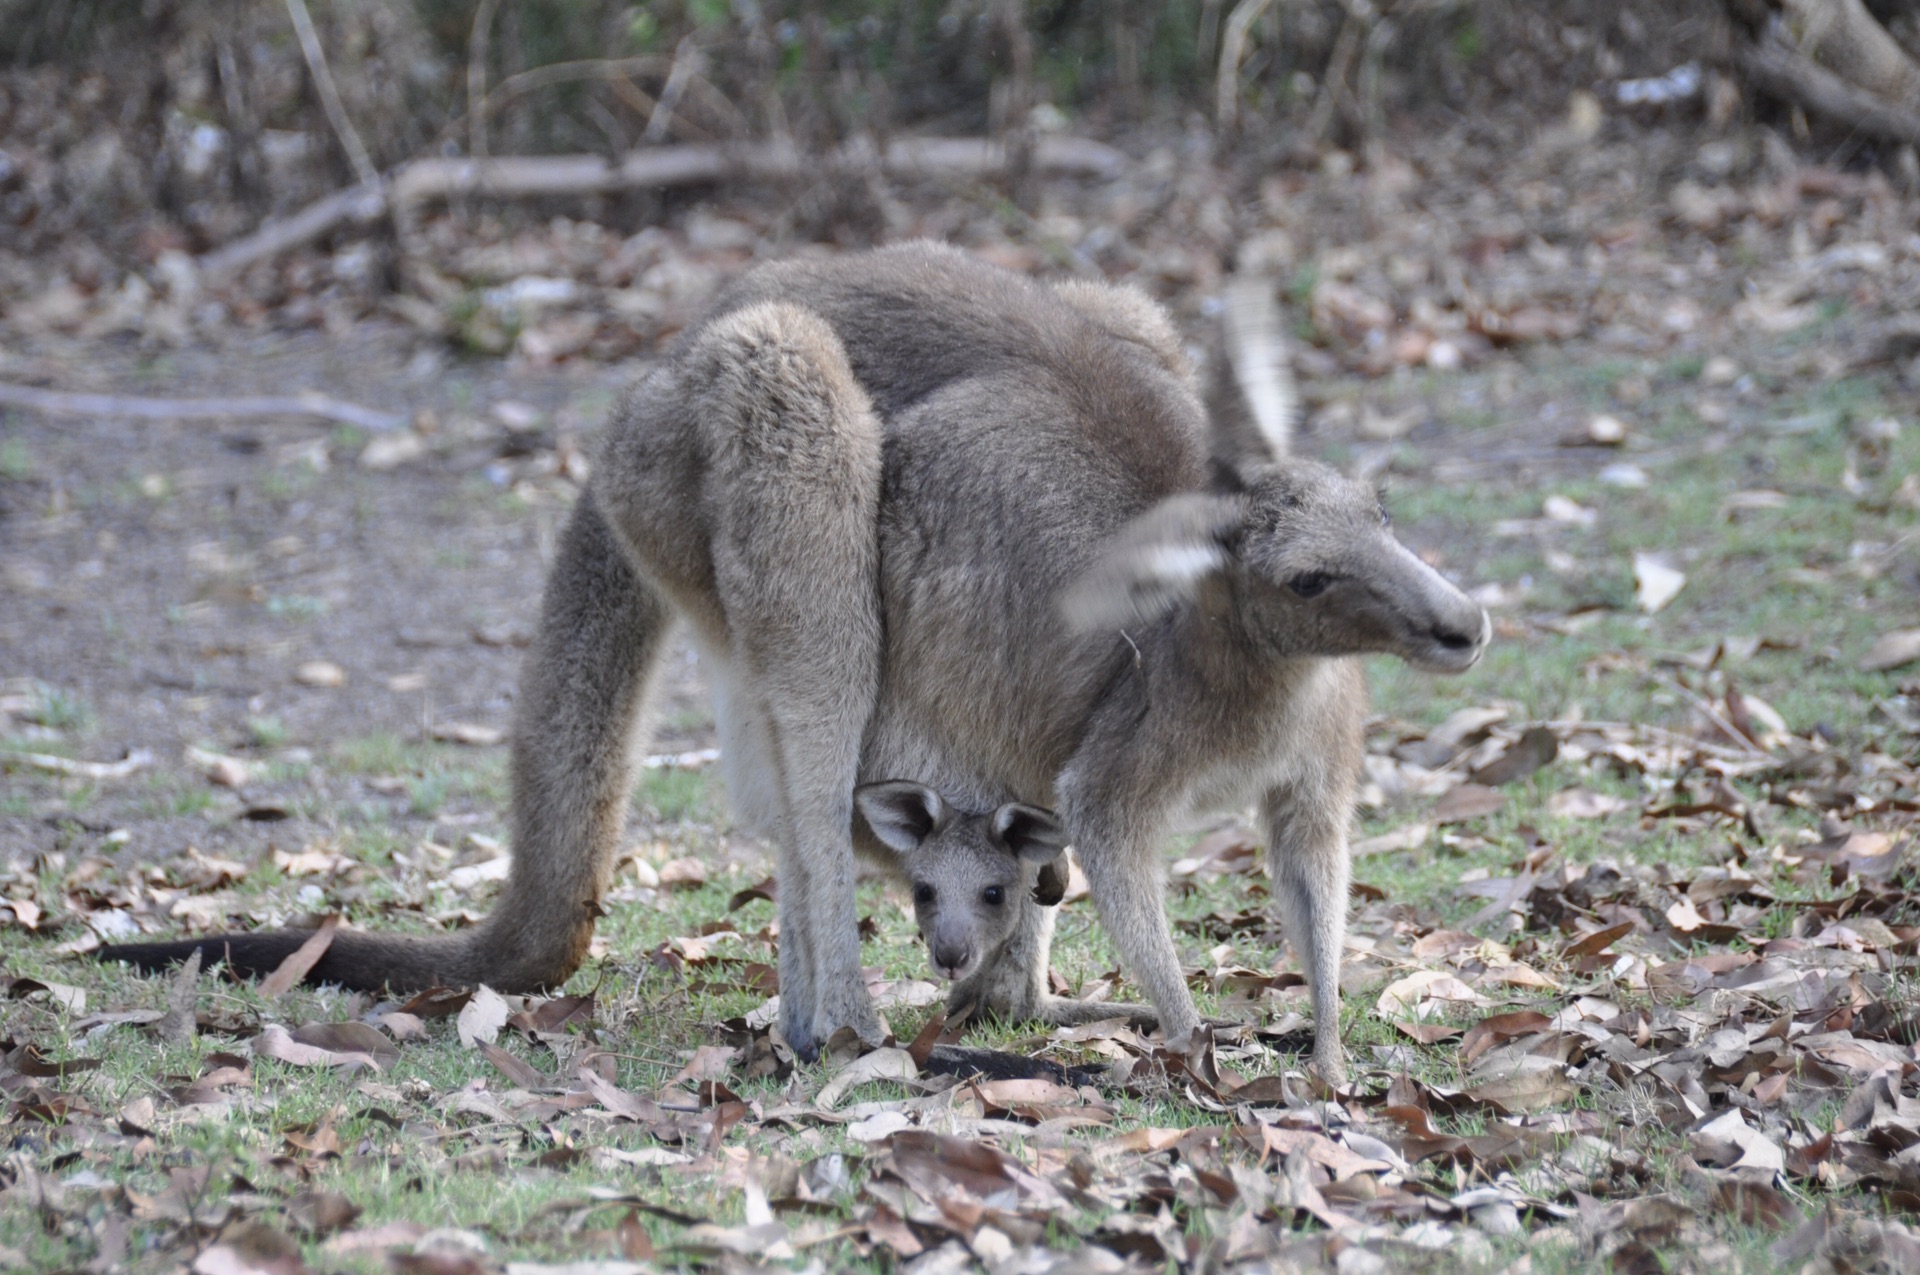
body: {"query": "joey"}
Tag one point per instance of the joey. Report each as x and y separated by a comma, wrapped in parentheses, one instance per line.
(923, 516)
(965, 871)
(969, 873)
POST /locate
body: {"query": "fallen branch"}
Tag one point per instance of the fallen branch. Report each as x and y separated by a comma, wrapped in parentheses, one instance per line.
(361, 205)
(695, 760)
(509, 177)
(1786, 73)
(62, 403)
(133, 761)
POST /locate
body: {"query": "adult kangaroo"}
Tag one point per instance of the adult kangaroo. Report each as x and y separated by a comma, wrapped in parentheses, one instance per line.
(927, 518)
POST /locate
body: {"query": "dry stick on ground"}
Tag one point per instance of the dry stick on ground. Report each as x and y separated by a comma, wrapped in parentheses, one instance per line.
(62, 403)
(330, 93)
(516, 176)
(134, 760)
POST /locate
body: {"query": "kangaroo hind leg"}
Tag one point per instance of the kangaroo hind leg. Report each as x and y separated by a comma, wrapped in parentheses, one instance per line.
(791, 450)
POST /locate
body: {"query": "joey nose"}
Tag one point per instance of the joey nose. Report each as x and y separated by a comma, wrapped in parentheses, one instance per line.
(951, 959)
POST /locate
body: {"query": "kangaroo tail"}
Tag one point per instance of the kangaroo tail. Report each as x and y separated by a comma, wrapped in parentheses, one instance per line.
(581, 692)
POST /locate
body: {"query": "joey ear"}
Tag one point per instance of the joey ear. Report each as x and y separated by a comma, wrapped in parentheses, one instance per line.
(1036, 836)
(1051, 885)
(1029, 832)
(901, 813)
(1156, 562)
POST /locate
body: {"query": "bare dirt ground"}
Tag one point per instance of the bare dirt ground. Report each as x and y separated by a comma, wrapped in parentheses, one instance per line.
(176, 577)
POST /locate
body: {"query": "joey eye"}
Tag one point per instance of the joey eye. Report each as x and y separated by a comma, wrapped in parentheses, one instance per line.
(1386, 519)
(992, 896)
(1310, 585)
(923, 895)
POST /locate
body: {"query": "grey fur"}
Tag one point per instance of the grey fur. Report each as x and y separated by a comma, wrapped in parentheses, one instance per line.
(918, 513)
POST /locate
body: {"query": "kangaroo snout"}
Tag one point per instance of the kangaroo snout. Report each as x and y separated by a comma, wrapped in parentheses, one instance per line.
(1455, 641)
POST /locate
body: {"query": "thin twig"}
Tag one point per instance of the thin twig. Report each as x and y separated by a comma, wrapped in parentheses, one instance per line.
(1705, 708)
(1333, 84)
(62, 403)
(1233, 51)
(330, 93)
(686, 64)
(477, 78)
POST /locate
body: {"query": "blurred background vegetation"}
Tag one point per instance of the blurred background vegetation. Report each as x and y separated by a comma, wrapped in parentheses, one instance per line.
(156, 123)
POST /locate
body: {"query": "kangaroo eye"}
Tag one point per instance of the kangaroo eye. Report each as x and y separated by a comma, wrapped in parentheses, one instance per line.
(992, 896)
(1310, 585)
(923, 895)
(1386, 519)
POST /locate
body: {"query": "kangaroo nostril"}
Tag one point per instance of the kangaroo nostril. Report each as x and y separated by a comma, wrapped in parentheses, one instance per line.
(1453, 639)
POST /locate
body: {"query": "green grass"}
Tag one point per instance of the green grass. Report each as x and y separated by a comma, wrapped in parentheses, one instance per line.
(1788, 574)
(16, 460)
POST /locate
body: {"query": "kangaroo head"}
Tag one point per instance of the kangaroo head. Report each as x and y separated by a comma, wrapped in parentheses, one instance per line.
(965, 869)
(1307, 563)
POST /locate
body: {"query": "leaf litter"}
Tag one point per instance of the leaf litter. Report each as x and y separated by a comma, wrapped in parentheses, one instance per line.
(1607, 1056)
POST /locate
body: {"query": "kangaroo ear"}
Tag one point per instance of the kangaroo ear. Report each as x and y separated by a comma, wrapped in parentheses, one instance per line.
(1156, 562)
(1029, 832)
(901, 813)
(1251, 400)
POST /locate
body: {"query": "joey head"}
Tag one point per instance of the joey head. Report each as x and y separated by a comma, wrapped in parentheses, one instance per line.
(967, 871)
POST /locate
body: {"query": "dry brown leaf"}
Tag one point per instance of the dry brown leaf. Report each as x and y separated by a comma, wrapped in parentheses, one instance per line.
(1533, 1089)
(1425, 993)
(275, 1041)
(1892, 650)
(482, 1017)
(1536, 748)
(1584, 803)
(1468, 801)
(881, 1064)
(350, 1038)
(321, 1212)
(299, 962)
(518, 1070)
(227, 772)
(376, 1239)
(320, 673)
(1656, 581)
(683, 874)
(250, 1248)
(1752, 1149)
(1406, 837)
